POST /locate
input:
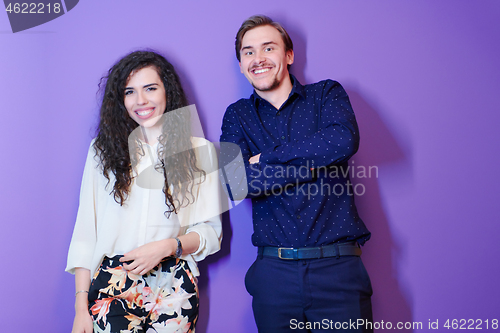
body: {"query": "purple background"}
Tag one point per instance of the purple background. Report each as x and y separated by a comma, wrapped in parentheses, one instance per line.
(423, 77)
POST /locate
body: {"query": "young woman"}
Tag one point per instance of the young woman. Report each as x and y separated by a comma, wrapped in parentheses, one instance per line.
(149, 206)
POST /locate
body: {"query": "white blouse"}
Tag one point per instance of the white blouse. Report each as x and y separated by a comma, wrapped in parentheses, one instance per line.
(104, 228)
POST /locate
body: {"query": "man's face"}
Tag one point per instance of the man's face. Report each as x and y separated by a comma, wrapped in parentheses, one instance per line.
(263, 58)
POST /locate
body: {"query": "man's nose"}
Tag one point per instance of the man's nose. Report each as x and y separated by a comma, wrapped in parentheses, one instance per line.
(260, 57)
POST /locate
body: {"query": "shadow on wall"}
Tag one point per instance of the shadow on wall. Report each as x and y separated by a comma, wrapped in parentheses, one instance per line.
(383, 252)
(204, 278)
(300, 53)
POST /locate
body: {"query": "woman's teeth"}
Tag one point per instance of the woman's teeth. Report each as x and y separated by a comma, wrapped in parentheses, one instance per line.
(145, 112)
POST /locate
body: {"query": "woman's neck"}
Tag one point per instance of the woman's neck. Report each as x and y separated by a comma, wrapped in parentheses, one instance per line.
(151, 134)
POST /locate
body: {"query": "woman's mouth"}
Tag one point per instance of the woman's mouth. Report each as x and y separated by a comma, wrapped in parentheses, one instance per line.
(144, 113)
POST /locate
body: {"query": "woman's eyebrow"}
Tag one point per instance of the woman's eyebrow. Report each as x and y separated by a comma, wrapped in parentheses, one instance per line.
(147, 85)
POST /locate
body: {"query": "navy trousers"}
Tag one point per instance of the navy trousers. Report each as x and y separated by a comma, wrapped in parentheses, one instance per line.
(312, 295)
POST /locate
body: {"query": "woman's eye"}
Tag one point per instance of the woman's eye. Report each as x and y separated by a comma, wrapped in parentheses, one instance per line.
(128, 92)
(151, 89)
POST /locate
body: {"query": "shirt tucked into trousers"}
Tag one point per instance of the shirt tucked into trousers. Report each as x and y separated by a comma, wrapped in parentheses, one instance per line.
(301, 197)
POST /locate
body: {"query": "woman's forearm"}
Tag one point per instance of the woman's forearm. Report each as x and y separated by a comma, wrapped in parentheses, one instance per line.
(190, 242)
(82, 285)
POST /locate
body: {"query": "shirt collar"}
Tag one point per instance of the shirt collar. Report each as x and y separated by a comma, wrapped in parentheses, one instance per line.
(297, 88)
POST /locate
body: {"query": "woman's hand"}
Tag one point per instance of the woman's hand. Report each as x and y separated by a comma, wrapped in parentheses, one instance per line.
(83, 322)
(148, 256)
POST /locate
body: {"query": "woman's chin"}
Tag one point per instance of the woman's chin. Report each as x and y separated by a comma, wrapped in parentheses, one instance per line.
(151, 123)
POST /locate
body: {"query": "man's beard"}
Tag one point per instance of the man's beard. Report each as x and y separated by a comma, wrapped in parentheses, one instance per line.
(274, 85)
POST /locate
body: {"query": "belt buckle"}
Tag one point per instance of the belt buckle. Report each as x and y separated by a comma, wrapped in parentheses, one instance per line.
(285, 248)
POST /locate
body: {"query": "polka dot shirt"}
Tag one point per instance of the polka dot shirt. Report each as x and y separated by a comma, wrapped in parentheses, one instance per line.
(300, 189)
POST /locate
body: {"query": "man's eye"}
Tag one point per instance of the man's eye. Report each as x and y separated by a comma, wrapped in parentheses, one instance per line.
(269, 49)
(248, 53)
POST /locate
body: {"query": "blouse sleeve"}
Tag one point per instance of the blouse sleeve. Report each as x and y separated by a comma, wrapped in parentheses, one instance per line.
(203, 216)
(84, 238)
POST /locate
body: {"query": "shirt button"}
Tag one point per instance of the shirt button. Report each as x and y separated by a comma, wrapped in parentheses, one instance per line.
(282, 137)
(298, 216)
(278, 113)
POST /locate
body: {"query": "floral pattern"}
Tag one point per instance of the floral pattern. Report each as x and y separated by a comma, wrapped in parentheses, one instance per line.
(164, 300)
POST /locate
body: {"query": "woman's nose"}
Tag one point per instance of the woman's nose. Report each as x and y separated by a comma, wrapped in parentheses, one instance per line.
(141, 99)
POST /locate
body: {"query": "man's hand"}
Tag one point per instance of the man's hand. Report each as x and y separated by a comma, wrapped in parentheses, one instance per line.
(148, 256)
(254, 159)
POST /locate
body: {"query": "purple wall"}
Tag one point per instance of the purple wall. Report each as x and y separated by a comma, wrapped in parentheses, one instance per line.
(423, 77)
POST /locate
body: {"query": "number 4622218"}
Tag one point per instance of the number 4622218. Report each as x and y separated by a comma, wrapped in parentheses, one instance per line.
(33, 8)
(471, 324)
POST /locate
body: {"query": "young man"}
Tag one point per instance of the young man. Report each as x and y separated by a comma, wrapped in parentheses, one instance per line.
(296, 141)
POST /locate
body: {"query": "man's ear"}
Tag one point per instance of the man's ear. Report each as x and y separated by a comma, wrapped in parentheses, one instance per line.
(289, 57)
(241, 70)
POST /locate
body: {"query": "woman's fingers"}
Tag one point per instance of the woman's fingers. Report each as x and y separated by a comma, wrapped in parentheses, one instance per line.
(136, 267)
(131, 262)
(129, 256)
(132, 266)
(144, 258)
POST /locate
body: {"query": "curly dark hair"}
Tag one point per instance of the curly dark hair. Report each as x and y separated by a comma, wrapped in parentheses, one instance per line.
(112, 144)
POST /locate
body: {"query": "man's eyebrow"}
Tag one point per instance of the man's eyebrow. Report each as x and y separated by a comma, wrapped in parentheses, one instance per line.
(263, 44)
(269, 43)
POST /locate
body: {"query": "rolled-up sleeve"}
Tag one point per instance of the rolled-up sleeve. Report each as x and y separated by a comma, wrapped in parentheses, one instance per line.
(204, 213)
(83, 241)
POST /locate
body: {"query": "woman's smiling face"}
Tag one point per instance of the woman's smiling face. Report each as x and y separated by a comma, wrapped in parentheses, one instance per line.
(145, 98)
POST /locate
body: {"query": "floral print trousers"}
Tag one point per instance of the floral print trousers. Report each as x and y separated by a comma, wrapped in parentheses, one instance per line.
(165, 300)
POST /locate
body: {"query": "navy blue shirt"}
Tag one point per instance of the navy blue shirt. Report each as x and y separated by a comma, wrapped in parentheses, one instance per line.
(300, 189)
